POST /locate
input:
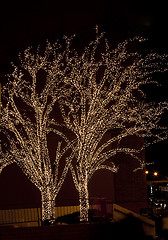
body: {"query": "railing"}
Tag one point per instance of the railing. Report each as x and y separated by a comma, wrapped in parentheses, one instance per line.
(31, 217)
(20, 217)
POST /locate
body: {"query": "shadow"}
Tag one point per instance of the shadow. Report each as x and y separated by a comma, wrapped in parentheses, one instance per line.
(129, 228)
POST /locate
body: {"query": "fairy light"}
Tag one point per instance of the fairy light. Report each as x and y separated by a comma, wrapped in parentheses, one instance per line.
(8, 160)
(26, 123)
(95, 95)
(97, 105)
(97, 29)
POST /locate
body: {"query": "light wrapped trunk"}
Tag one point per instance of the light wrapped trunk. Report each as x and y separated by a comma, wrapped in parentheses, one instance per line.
(84, 201)
(48, 204)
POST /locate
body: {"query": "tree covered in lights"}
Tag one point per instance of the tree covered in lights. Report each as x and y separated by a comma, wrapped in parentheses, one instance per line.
(106, 105)
(27, 104)
(98, 95)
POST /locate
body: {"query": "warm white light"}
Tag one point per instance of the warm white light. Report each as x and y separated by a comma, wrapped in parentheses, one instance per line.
(98, 91)
(26, 122)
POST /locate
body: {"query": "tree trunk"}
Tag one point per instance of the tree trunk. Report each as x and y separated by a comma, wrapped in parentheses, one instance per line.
(84, 201)
(48, 204)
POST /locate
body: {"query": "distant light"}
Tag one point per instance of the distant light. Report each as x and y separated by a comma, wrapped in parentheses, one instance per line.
(146, 171)
(155, 174)
(151, 189)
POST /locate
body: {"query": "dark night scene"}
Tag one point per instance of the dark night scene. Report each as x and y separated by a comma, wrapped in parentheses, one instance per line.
(84, 120)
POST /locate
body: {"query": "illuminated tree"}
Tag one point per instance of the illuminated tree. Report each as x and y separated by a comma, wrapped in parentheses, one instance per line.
(27, 104)
(101, 103)
(106, 96)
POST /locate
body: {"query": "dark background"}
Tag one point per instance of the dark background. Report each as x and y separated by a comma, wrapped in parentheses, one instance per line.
(30, 23)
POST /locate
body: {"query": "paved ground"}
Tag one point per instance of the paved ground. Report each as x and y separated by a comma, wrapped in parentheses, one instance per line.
(74, 232)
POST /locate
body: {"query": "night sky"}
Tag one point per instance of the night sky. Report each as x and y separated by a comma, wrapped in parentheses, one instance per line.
(29, 23)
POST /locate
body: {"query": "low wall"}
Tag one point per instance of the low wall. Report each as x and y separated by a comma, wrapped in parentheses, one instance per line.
(30, 217)
(120, 213)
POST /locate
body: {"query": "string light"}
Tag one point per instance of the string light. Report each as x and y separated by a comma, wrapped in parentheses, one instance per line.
(26, 123)
(97, 92)
(99, 104)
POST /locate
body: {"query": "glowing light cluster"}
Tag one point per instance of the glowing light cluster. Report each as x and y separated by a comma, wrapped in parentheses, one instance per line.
(106, 96)
(8, 160)
(99, 95)
(26, 123)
